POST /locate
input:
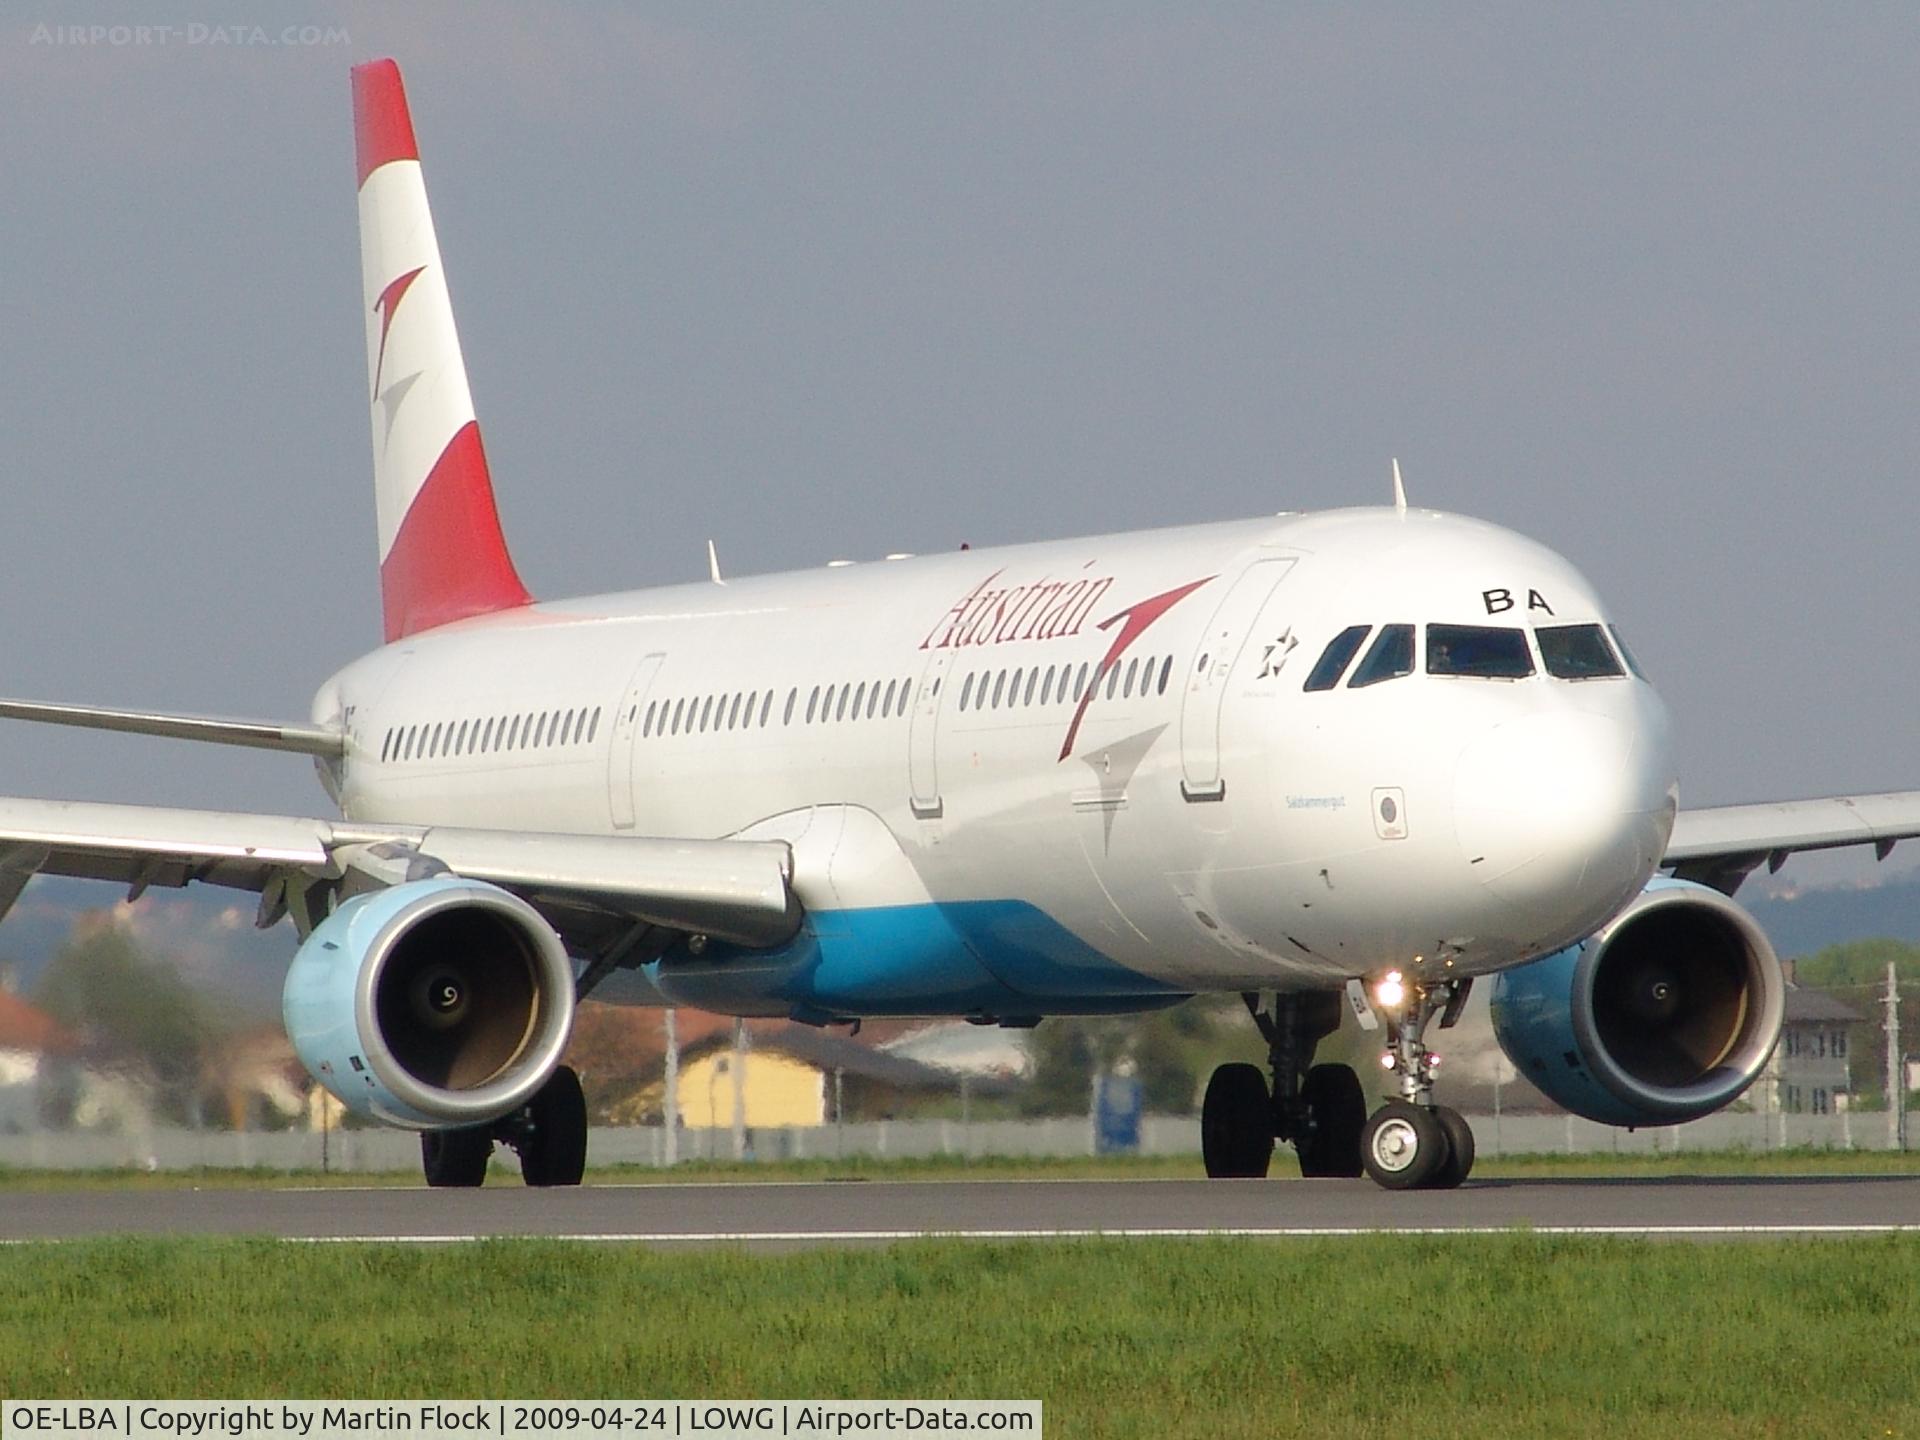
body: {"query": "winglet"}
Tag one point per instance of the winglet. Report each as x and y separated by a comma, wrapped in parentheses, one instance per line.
(713, 564)
(1399, 491)
(443, 556)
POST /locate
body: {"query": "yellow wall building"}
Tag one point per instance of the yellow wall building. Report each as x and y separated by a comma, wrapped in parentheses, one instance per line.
(780, 1091)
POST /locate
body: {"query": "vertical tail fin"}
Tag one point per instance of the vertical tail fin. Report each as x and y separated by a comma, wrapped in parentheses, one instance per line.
(442, 554)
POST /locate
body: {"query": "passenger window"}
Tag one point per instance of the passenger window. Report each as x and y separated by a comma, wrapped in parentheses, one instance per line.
(906, 695)
(859, 699)
(1080, 681)
(679, 713)
(593, 727)
(1389, 657)
(813, 704)
(733, 711)
(999, 687)
(793, 698)
(873, 700)
(1133, 669)
(540, 731)
(1577, 652)
(840, 710)
(1166, 673)
(966, 692)
(886, 705)
(1113, 680)
(1485, 652)
(646, 727)
(1033, 676)
(1626, 653)
(1334, 660)
(766, 710)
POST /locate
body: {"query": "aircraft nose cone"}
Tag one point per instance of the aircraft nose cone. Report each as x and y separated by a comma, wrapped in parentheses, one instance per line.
(1562, 813)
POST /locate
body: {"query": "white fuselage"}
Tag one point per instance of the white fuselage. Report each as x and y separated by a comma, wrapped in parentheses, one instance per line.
(1226, 830)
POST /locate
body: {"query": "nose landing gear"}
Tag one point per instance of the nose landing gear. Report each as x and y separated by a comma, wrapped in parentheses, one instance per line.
(1412, 1143)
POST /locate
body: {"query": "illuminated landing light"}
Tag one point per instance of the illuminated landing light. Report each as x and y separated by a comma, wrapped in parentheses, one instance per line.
(1387, 1060)
(1390, 991)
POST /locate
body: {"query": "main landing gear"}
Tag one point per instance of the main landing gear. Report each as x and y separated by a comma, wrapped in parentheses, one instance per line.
(1319, 1109)
(549, 1132)
(1411, 1143)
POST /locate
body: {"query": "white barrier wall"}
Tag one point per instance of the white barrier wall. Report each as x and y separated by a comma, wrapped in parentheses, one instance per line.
(366, 1151)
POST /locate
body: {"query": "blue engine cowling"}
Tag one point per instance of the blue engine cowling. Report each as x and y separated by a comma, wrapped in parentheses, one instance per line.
(1666, 1014)
(437, 1003)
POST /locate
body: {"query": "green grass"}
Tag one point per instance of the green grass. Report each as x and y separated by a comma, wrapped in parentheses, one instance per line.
(1173, 1167)
(1509, 1334)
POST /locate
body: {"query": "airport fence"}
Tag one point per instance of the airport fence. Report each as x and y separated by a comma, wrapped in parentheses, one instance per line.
(369, 1151)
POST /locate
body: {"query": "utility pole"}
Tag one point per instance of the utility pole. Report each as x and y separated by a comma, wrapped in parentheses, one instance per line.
(670, 1102)
(739, 1088)
(1896, 1082)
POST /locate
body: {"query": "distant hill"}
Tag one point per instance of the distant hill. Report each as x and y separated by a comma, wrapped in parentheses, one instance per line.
(1815, 919)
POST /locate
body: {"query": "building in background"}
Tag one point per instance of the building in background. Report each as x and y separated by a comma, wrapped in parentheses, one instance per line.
(1810, 1073)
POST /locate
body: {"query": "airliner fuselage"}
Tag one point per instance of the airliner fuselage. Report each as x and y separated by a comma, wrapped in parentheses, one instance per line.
(1078, 775)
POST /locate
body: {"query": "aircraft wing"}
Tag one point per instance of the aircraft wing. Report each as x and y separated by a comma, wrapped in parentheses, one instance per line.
(216, 729)
(593, 889)
(1722, 845)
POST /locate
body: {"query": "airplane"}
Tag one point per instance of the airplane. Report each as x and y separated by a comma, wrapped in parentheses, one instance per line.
(1345, 763)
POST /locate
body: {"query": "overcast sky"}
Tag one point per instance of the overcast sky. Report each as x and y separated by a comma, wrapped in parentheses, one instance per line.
(823, 281)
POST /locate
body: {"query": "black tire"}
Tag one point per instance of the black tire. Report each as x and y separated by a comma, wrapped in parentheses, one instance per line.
(1337, 1113)
(456, 1159)
(1459, 1149)
(554, 1149)
(1236, 1124)
(1404, 1146)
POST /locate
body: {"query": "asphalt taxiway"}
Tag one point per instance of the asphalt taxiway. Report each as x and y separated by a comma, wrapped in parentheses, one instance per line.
(870, 1212)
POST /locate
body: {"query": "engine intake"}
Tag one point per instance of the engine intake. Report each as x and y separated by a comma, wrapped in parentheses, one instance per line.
(1667, 1013)
(440, 1002)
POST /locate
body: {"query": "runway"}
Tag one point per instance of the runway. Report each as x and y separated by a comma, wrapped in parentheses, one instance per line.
(872, 1212)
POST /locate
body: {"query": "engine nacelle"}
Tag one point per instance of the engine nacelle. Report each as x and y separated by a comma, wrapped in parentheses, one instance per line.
(1666, 1014)
(436, 1003)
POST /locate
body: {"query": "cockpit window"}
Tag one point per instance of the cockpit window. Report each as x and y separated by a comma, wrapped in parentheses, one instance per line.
(1578, 652)
(1489, 652)
(1334, 660)
(1389, 657)
(1626, 653)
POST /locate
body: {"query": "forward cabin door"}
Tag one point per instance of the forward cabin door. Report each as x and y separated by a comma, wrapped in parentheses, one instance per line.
(1222, 650)
(626, 733)
(923, 727)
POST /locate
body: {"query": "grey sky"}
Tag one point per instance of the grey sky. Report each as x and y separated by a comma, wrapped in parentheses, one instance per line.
(825, 281)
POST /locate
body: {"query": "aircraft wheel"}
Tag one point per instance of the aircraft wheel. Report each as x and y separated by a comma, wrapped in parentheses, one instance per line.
(1236, 1124)
(1459, 1148)
(553, 1150)
(1337, 1111)
(1404, 1146)
(456, 1158)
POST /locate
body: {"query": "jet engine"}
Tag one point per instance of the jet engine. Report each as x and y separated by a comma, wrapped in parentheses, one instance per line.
(437, 1003)
(1666, 1014)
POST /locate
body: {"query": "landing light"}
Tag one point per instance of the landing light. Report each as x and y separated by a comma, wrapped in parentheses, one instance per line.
(1390, 991)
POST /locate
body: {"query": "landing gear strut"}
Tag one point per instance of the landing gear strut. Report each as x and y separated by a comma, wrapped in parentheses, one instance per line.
(1411, 1143)
(1319, 1109)
(549, 1132)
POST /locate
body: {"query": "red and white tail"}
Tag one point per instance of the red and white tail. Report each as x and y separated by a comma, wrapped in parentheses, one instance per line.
(442, 555)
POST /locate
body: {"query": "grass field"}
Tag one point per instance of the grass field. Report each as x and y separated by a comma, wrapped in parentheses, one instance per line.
(1511, 1335)
(1173, 1167)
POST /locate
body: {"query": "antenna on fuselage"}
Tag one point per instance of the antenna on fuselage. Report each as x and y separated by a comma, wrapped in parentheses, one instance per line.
(1399, 493)
(713, 564)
